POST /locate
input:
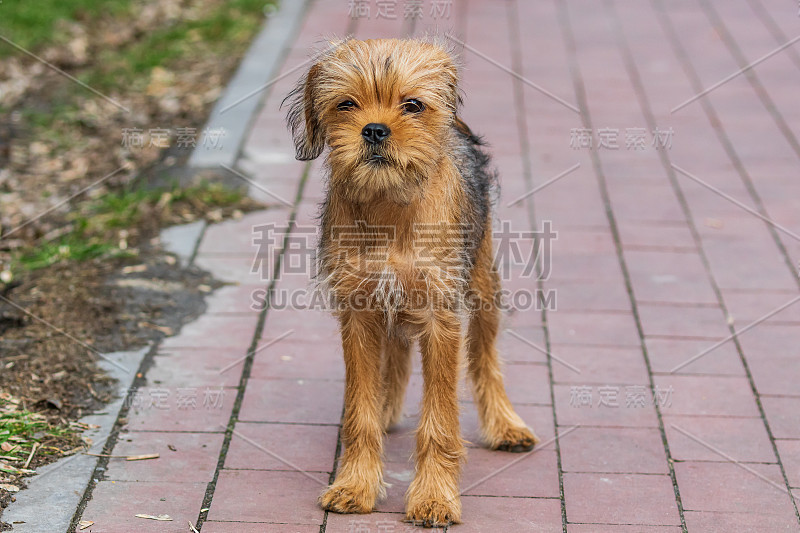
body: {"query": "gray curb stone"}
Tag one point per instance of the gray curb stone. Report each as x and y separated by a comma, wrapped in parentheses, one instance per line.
(182, 240)
(55, 491)
(234, 112)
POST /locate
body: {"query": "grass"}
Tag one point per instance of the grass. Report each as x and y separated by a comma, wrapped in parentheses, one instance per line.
(95, 227)
(33, 25)
(227, 26)
(220, 31)
(20, 430)
(223, 30)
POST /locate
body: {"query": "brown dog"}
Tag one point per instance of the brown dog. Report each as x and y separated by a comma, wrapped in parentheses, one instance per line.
(406, 253)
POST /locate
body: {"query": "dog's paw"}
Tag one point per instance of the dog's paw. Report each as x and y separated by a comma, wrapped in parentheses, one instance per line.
(516, 440)
(434, 512)
(346, 499)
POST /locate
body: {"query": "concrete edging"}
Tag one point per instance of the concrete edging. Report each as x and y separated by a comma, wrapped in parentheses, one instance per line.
(235, 110)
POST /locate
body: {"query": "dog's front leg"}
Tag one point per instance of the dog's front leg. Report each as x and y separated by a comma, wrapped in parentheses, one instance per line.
(433, 497)
(359, 479)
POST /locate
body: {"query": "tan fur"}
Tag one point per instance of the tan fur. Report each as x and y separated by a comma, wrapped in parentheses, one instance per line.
(390, 291)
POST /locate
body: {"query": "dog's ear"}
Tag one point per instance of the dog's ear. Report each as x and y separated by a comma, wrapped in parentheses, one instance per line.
(303, 117)
(450, 73)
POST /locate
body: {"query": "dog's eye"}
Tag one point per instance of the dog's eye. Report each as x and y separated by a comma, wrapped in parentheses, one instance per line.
(347, 104)
(413, 105)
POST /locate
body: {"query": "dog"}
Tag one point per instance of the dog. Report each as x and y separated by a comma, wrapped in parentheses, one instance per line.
(405, 252)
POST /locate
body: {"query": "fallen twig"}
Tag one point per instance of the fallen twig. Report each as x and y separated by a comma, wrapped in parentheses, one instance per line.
(161, 517)
(126, 457)
(30, 457)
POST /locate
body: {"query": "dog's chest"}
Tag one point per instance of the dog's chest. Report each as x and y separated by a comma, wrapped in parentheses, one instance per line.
(394, 274)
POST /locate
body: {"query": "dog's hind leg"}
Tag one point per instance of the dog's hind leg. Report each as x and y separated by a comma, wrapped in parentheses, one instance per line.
(502, 428)
(396, 370)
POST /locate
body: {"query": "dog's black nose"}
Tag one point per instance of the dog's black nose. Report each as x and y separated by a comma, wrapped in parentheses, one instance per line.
(375, 133)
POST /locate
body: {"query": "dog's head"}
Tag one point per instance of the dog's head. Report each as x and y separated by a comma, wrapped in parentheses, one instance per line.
(384, 107)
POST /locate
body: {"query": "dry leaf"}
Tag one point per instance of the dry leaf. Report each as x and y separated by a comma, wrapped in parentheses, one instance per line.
(6, 447)
(9, 488)
(83, 524)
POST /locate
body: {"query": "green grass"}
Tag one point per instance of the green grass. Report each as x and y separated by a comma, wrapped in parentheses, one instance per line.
(35, 24)
(19, 430)
(73, 247)
(225, 30)
(221, 33)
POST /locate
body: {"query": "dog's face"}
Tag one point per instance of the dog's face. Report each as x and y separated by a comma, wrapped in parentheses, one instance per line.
(384, 107)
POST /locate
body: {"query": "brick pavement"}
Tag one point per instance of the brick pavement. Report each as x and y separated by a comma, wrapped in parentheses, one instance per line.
(655, 263)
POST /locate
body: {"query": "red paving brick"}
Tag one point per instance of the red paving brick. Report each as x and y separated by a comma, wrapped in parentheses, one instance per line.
(744, 439)
(595, 329)
(683, 322)
(615, 467)
(606, 499)
(729, 487)
(376, 522)
(196, 368)
(223, 331)
(173, 410)
(622, 406)
(274, 447)
(530, 476)
(708, 395)
(614, 450)
(752, 520)
(292, 401)
(292, 358)
(268, 496)
(616, 528)
(790, 453)
(188, 457)
(115, 504)
(667, 354)
(483, 514)
(784, 416)
(251, 527)
(597, 364)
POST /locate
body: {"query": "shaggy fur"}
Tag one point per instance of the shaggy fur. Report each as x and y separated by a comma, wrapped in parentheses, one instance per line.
(406, 253)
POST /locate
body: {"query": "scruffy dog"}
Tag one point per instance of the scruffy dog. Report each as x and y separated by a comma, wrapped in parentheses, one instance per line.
(406, 253)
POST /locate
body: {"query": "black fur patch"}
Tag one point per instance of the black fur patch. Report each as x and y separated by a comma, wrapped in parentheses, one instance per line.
(480, 185)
